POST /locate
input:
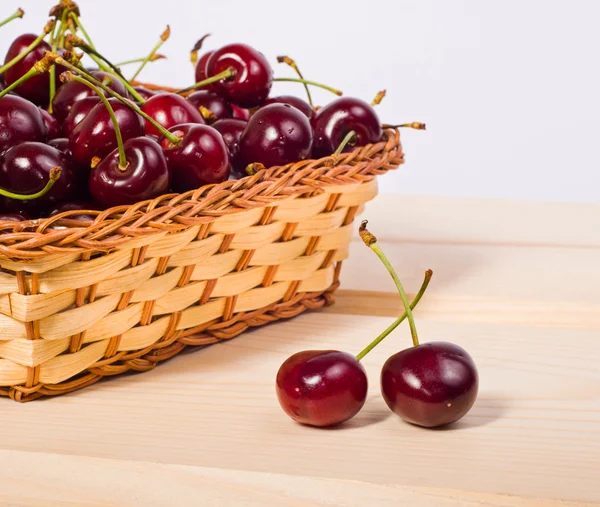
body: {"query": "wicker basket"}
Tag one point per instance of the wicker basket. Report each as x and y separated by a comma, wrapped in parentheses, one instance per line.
(82, 300)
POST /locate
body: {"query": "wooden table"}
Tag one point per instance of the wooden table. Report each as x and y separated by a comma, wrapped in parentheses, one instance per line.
(516, 283)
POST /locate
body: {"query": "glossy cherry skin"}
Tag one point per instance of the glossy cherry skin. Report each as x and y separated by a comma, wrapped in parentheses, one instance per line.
(60, 143)
(251, 84)
(334, 121)
(297, 102)
(430, 385)
(95, 135)
(25, 169)
(240, 113)
(170, 109)
(276, 134)
(201, 70)
(200, 158)
(20, 121)
(321, 387)
(13, 217)
(212, 101)
(51, 123)
(71, 92)
(231, 129)
(145, 92)
(146, 176)
(79, 110)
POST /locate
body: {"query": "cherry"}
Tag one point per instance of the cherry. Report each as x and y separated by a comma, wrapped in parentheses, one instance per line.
(231, 130)
(51, 124)
(336, 120)
(240, 113)
(61, 144)
(250, 84)
(321, 387)
(201, 70)
(143, 176)
(430, 384)
(20, 121)
(276, 134)
(211, 101)
(13, 217)
(75, 206)
(144, 92)
(77, 113)
(298, 103)
(170, 109)
(199, 158)
(73, 91)
(95, 135)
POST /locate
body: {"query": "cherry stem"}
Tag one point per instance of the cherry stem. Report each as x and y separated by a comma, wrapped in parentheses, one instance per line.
(54, 176)
(207, 114)
(350, 136)
(414, 125)
(371, 242)
(399, 320)
(378, 98)
(69, 76)
(306, 81)
(197, 47)
(77, 21)
(163, 38)
(156, 56)
(19, 14)
(290, 61)
(47, 29)
(61, 61)
(39, 67)
(227, 73)
(55, 40)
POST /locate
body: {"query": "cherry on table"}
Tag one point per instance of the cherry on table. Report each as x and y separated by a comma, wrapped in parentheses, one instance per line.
(20, 121)
(231, 130)
(170, 109)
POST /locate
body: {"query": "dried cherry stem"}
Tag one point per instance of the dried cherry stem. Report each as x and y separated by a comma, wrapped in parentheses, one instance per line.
(414, 125)
(371, 242)
(69, 76)
(312, 83)
(79, 43)
(207, 114)
(83, 73)
(350, 139)
(39, 67)
(156, 56)
(290, 61)
(163, 38)
(197, 47)
(54, 176)
(19, 14)
(226, 74)
(399, 320)
(47, 29)
(378, 98)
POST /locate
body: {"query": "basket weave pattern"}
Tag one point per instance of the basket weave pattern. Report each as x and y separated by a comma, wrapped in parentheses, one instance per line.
(81, 300)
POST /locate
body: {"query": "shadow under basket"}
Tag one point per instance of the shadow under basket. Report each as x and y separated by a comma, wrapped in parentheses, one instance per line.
(82, 300)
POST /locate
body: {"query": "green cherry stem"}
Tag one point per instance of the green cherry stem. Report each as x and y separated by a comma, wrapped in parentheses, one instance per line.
(47, 29)
(78, 24)
(69, 76)
(83, 73)
(291, 62)
(54, 176)
(371, 242)
(156, 56)
(399, 320)
(19, 14)
(55, 39)
(226, 74)
(349, 139)
(163, 38)
(307, 82)
(39, 67)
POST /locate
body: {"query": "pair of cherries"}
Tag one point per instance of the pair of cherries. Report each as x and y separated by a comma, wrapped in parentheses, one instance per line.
(431, 384)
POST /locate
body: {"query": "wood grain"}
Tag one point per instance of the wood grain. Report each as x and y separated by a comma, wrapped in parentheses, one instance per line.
(206, 429)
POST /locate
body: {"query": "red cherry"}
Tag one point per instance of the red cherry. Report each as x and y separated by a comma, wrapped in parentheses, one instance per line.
(60, 143)
(251, 83)
(276, 134)
(20, 121)
(201, 70)
(231, 129)
(144, 92)
(240, 113)
(212, 101)
(77, 113)
(170, 109)
(200, 158)
(321, 387)
(75, 206)
(145, 177)
(292, 100)
(13, 217)
(430, 385)
(51, 124)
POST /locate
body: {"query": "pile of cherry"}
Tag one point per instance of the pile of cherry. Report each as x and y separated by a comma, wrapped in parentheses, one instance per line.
(86, 138)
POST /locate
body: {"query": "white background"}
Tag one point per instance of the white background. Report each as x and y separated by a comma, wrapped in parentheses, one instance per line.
(509, 89)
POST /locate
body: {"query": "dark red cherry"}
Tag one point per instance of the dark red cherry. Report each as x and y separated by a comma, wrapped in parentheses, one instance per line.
(231, 129)
(13, 217)
(51, 124)
(95, 135)
(20, 121)
(145, 177)
(60, 143)
(170, 109)
(200, 158)
(240, 113)
(79, 110)
(276, 134)
(334, 121)
(201, 70)
(321, 387)
(298, 103)
(75, 206)
(145, 92)
(251, 83)
(432, 384)
(212, 101)
(25, 169)
(72, 91)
